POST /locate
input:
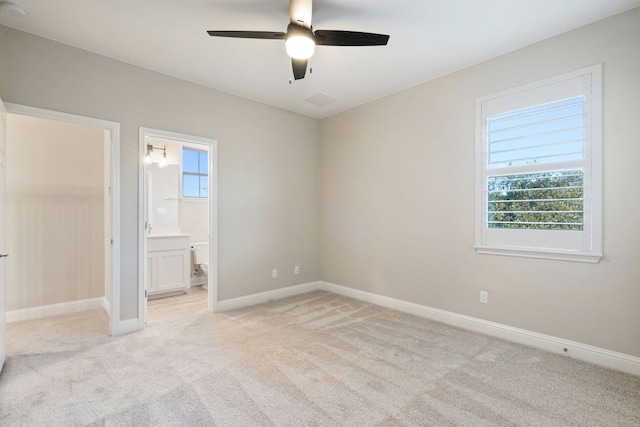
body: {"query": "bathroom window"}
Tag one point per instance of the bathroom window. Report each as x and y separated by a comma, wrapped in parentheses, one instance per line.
(195, 173)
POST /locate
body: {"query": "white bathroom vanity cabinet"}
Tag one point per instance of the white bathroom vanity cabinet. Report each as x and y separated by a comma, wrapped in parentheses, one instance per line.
(168, 263)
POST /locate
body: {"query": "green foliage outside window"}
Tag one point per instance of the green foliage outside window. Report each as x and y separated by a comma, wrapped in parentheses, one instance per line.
(539, 201)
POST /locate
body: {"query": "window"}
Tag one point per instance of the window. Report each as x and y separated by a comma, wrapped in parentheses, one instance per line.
(539, 169)
(195, 173)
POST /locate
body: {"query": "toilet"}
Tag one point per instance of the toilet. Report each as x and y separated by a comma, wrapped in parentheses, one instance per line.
(200, 253)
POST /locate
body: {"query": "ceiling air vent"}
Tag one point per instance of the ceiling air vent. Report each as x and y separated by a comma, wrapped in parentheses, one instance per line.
(320, 100)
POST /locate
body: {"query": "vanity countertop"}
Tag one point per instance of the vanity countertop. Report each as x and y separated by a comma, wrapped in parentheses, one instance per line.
(168, 242)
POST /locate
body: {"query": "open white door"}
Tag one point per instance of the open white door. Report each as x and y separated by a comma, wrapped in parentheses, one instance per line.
(3, 231)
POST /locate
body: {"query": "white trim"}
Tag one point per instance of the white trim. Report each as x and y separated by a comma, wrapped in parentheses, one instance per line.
(53, 309)
(262, 297)
(114, 129)
(597, 356)
(583, 246)
(57, 115)
(544, 254)
(127, 326)
(588, 353)
(114, 299)
(106, 305)
(212, 276)
(142, 229)
(213, 215)
(592, 69)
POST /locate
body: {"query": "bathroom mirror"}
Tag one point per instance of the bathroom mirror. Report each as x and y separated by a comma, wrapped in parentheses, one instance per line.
(163, 205)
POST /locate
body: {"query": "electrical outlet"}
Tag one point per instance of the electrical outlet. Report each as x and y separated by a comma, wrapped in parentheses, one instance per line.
(274, 273)
(296, 269)
(484, 297)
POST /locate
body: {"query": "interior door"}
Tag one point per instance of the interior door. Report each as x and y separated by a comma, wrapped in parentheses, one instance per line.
(3, 233)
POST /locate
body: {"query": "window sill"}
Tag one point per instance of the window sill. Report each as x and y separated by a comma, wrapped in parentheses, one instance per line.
(541, 254)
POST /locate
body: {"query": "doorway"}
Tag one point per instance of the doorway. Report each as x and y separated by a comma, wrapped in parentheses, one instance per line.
(85, 204)
(178, 217)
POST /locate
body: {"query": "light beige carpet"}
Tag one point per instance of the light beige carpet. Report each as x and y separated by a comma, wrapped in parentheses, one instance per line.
(316, 359)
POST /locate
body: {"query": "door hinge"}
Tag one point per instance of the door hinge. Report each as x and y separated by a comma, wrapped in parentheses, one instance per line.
(109, 190)
(111, 242)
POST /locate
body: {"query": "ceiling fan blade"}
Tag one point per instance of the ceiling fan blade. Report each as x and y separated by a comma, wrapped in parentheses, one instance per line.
(299, 68)
(300, 12)
(349, 38)
(267, 35)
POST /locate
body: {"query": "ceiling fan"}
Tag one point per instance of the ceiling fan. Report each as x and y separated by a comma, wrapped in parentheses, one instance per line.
(301, 39)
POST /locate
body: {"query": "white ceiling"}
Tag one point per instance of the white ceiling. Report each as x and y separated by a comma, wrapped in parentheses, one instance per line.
(429, 38)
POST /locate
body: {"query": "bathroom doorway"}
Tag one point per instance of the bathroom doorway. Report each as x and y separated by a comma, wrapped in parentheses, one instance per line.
(178, 235)
(62, 215)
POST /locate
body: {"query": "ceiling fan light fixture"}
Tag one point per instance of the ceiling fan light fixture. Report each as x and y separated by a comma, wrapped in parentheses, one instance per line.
(300, 46)
(301, 40)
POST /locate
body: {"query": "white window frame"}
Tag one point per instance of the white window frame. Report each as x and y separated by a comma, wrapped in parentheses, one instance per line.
(183, 173)
(585, 245)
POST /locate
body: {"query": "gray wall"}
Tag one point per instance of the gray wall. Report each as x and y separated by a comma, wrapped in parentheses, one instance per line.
(267, 157)
(397, 198)
(387, 188)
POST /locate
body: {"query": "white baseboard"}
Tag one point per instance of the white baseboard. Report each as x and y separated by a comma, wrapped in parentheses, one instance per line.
(53, 309)
(259, 298)
(125, 327)
(106, 306)
(597, 356)
(588, 353)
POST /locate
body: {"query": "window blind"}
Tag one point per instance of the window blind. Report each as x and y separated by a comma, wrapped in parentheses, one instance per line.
(547, 133)
(538, 201)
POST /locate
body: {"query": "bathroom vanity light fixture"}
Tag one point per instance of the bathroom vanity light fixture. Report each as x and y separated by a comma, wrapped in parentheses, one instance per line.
(163, 162)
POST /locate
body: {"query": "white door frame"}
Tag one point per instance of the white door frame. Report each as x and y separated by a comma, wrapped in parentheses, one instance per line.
(213, 214)
(114, 130)
(3, 231)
